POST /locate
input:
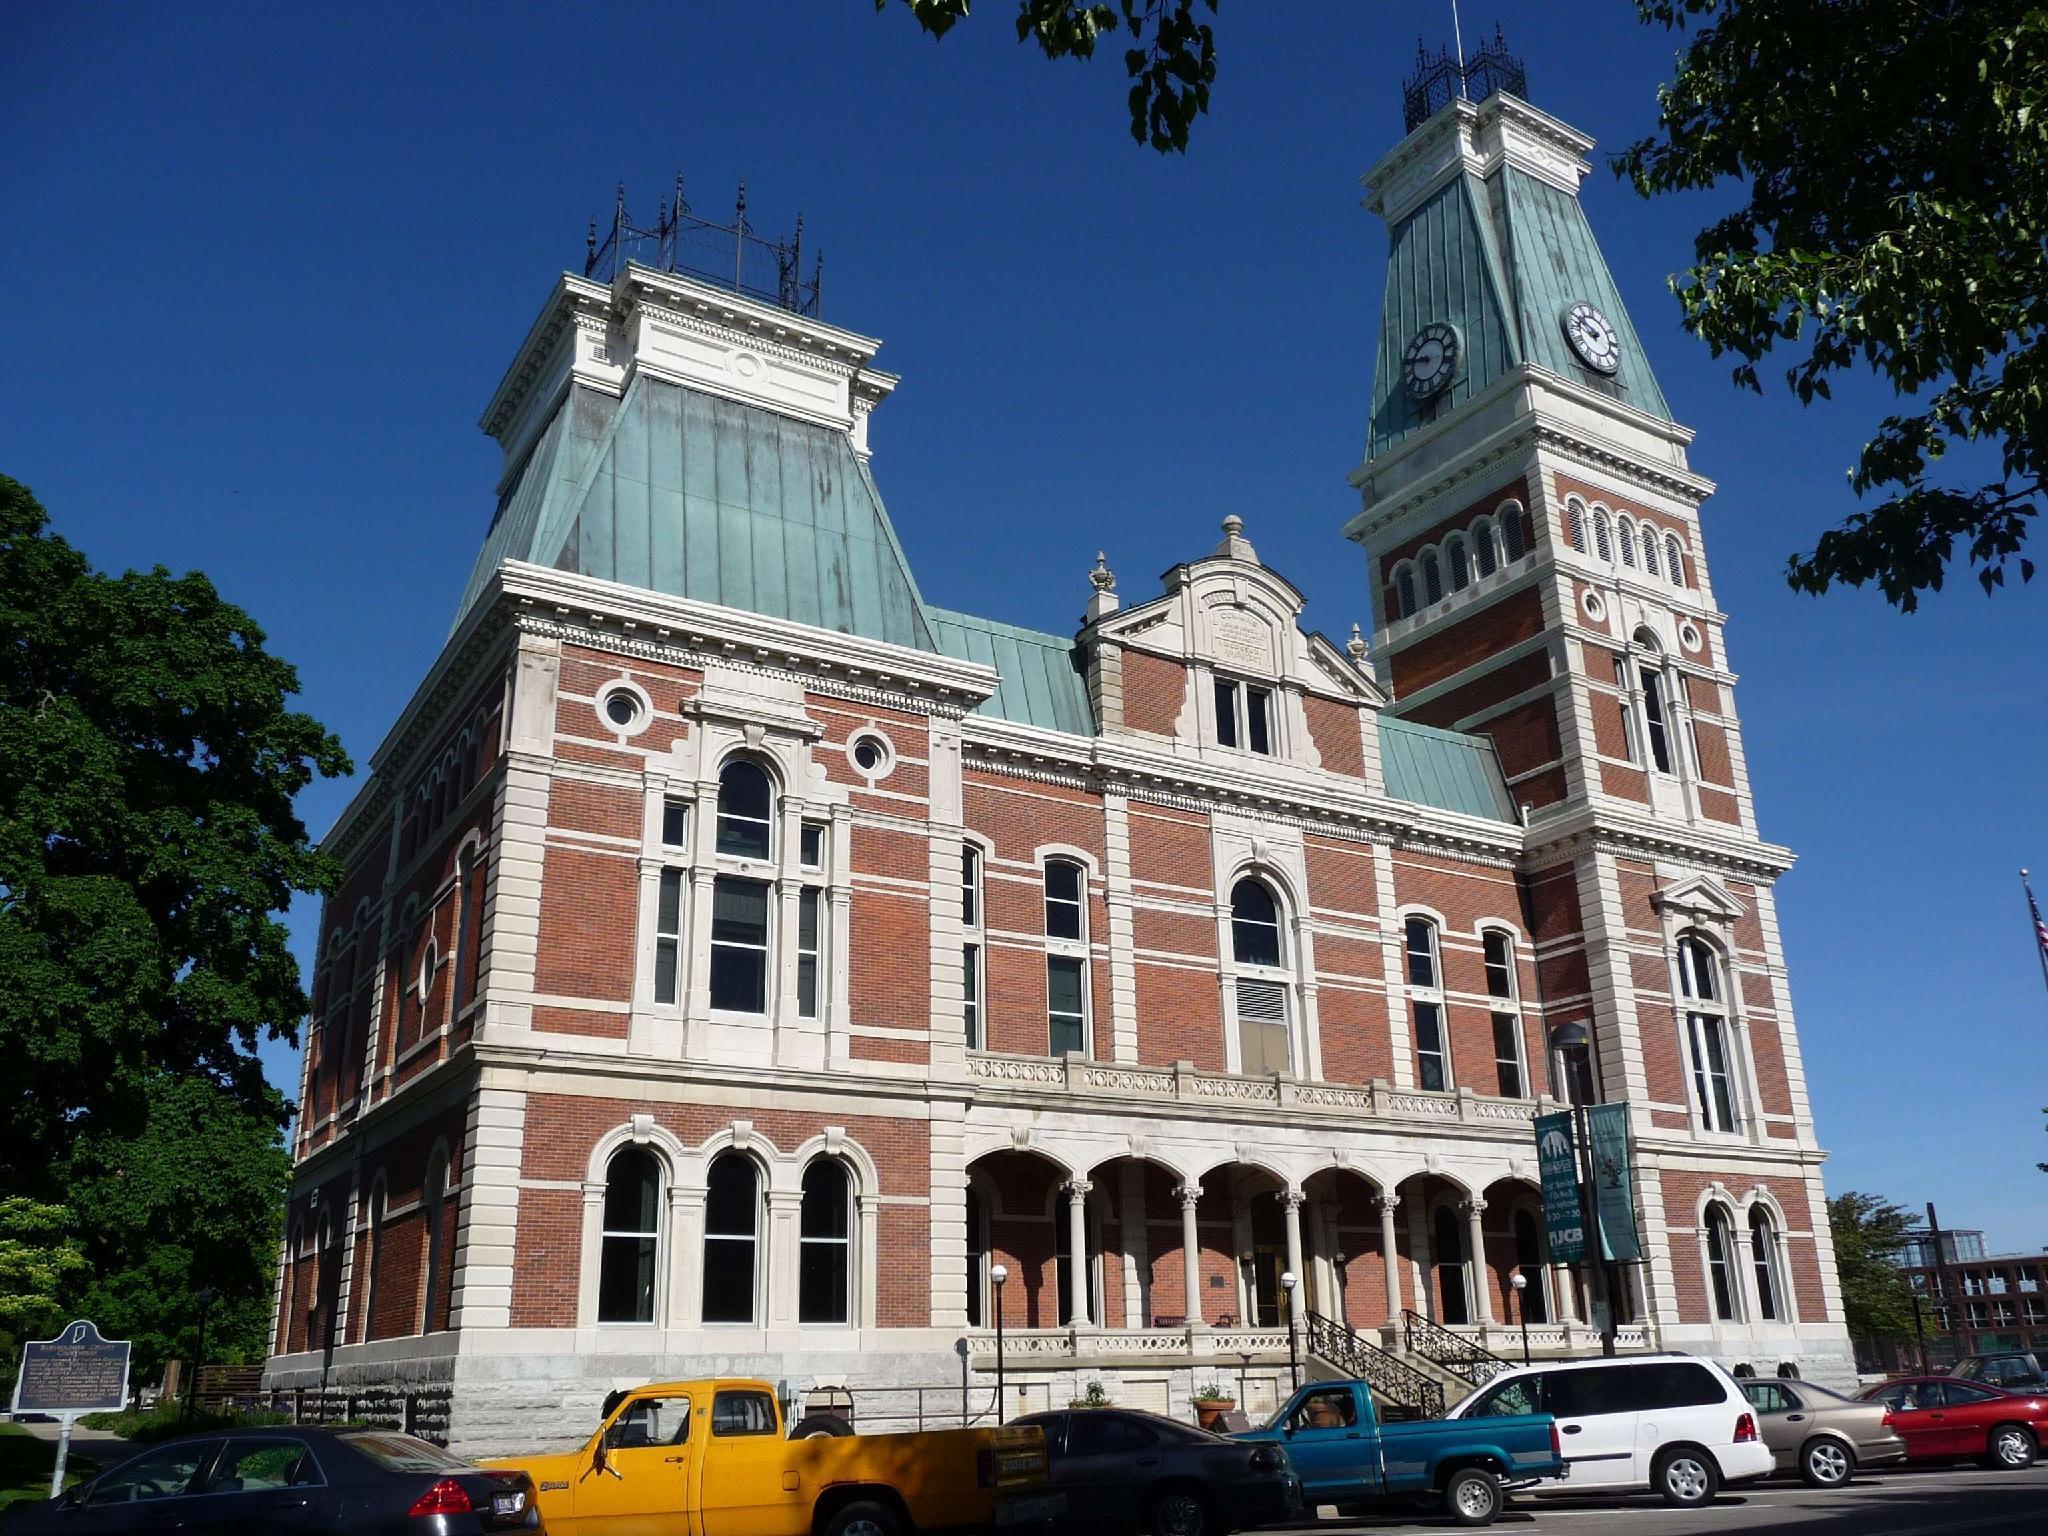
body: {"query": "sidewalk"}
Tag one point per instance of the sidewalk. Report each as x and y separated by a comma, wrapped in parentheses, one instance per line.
(103, 1447)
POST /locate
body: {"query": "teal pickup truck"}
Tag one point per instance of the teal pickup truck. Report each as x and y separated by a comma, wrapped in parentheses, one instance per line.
(1344, 1455)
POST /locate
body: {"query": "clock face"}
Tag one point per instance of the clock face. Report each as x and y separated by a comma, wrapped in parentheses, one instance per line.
(1431, 361)
(1593, 337)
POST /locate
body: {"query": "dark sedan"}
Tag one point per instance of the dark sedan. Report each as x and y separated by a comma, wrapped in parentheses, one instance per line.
(292, 1481)
(1123, 1471)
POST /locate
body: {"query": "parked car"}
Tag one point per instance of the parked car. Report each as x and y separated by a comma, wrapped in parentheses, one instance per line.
(1670, 1423)
(2016, 1371)
(1822, 1435)
(682, 1457)
(293, 1480)
(1121, 1470)
(1942, 1419)
(1344, 1454)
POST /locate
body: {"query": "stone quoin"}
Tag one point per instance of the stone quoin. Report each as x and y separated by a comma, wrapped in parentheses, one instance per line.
(740, 956)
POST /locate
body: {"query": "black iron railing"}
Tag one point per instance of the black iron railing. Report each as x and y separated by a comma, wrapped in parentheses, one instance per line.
(1440, 77)
(731, 255)
(1393, 1380)
(1462, 1357)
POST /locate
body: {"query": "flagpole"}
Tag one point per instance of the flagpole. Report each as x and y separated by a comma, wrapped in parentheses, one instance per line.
(2040, 929)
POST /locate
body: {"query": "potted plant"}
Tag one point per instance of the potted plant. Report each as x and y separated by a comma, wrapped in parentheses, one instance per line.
(1211, 1403)
(1097, 1396)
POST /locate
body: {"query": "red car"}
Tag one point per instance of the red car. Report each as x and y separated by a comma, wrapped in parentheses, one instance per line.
(1942, 1419)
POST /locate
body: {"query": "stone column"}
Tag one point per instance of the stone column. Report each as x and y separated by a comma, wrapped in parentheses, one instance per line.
(685, 1256)
(1191, 1254)
(780, 1254)
(1390, 1255)
(1078, 1270)
(1290, 1207)
(1475, 1243)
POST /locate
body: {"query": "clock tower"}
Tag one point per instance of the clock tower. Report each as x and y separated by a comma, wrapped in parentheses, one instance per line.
(1533, 534)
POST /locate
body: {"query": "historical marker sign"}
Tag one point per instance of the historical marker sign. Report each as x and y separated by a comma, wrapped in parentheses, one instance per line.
(76, 1372)
(1557, 1166)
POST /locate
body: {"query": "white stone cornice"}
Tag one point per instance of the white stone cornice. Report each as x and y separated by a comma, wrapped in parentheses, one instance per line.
(1562, 838)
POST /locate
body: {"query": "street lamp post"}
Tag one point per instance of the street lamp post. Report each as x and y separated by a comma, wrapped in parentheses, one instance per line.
(1287, 1284)
(1576, 1041)
(997, 1275)
(1519, 1282)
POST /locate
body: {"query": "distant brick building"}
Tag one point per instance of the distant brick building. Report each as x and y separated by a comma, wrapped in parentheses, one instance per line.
(1974, 1302)
(741, 957)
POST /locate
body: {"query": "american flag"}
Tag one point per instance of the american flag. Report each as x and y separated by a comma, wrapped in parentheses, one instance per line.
(2040, 927)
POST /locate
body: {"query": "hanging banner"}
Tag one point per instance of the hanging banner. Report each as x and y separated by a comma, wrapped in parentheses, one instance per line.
(1557, 1165)
(1607, 1128)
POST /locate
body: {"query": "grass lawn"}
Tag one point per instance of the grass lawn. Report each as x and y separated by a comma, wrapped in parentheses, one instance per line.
(25, 1464)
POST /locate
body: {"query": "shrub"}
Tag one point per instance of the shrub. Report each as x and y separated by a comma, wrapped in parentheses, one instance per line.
(167, 1420)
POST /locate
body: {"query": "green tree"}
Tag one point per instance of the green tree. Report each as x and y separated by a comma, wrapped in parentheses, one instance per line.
(148, 845)
(1171, 62)
(194, 1201)
(1894, 154)
(38, 1261)
(1877, 1299)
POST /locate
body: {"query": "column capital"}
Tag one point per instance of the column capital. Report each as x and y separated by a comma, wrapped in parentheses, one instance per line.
(1386, 1202)
(1292, 1199)
(1474, 1206)
(1189, 1195)
(1078, 1189)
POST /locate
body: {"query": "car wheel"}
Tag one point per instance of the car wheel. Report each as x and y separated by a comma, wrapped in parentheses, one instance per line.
(1178, 1512)
(2012, 1448)
(1686, 1477)
(1472, 1496)
(1826, 1464)
(815, 1426)
(863, 1518)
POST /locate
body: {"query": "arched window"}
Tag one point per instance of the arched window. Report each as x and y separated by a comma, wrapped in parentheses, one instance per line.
(1404, 588)
(1529, 1263)
(1460, 567)
(1674, 559)
(825, 1268)
(1575, 524)
(1259, 950)
(1763, 1258)
(1603, 536)
(631, 1240)
(1625, 536)
(977, 1259)
(1649, 550)
(434, 1203)
(1432, 1064)
(1485, 553)
(1432, 577)
(1721, 1262)
(1706, 1030)
(373, 1252)
(1656, 722)
(745, 811)
(1447, 1247)
(469, 907)
(1514, 538)
(970, 946)
(1509, 1073)
(1066, 960)
(732, 1223)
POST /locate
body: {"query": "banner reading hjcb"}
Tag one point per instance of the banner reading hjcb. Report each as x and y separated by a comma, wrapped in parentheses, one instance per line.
(1557, 1163)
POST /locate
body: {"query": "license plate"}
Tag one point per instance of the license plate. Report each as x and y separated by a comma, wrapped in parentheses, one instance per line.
(505, 1505)
(1031, 1510)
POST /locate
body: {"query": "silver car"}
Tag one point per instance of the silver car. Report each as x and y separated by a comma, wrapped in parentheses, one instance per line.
(1819, 1434)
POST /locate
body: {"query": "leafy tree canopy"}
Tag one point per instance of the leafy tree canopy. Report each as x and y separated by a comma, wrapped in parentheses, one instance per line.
(1877, 1299)
(148, 844)
(1171, 62)
(1895, 158)
(38, 1258)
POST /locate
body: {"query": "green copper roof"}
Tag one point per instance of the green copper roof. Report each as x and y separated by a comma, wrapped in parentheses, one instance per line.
(679, 492)
(1446, 769)
(1042, 683)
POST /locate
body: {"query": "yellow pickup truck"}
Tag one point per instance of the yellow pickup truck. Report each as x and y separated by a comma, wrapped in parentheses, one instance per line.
(710, 1458)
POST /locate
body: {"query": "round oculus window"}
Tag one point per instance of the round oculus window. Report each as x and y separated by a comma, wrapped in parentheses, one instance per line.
(1595, 609)
(1689, 637)
(624, 708)
(870, 755)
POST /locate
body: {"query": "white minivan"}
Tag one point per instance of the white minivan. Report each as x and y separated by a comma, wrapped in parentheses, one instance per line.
(1676, 1425)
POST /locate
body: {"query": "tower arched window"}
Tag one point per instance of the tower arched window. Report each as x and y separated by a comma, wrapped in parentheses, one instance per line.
(1404, 591)
(1447, 1245)
(825, 1265)
(1258, 950)
(1763, 1258)
(1649, 550)
(1432, 577)
(1485, 551)
(1514, 536)
(1721, 1263)
(1529, 1263)
(1426, 1004)
(1575, 524)
(746, 810)
(1603, 536)
(630, 1245)
(1625, 537)
(1460, 566)
(1674, 559)
(1701, 986)
(732, 1226)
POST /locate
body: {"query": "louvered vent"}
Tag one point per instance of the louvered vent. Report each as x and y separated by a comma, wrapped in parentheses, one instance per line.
(1261, 1002)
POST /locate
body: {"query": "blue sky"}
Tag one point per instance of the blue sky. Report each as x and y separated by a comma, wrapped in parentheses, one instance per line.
(265, 265)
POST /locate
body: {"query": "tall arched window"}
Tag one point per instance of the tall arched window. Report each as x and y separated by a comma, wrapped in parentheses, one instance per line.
(1432, 577)
(825, 1266)
(1460, 567)
(1529, 1263)
(1258, 949)
(1625, 537)
(977, 1259)
(1575, 524)
(1514, 538)
(732, 1224)
(1656, 721)
(1649, 550)
(469, 908)
(1706, 1031)
(1721, 1262)
(1447, 1247)
(746, 815)
(373, 1252)
(1066, 960)
(1763, 1258)
(970, 943)
(1425, 987)
(629, 1248)
(433, 1203)
(1674, 559)
(1603, 536)
(1404, 589)
(1485, 549)
(1509, 1073)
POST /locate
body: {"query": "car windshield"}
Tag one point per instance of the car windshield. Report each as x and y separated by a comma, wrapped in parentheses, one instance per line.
(404, 1453)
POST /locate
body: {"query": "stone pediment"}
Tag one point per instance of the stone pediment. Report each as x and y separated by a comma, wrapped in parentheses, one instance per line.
(1699, 898)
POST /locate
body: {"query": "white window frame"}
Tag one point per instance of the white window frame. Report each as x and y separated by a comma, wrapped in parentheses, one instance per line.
(1731, 1262)
(1234, 724)
(1430, 996)
(1062, 948)
(604, 1234)
(1702, 1017)
(850, 1293)
(1281, 976)
(1506, 1004)
(759, 1239)
(1765, 1270)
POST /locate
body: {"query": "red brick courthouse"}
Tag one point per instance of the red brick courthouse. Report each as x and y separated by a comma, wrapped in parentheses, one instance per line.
(741, 956)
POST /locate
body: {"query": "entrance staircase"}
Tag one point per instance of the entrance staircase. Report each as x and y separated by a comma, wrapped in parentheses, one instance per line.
(1401, 1389)
(1471, 1362)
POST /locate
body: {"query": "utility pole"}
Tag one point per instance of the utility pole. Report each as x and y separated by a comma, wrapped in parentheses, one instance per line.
(1944, 1297)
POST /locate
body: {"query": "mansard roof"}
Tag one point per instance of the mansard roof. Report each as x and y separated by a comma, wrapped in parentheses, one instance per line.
(1043, 682)
(1447, 769)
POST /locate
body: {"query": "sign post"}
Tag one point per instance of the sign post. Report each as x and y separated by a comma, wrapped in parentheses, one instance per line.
(76, 1372)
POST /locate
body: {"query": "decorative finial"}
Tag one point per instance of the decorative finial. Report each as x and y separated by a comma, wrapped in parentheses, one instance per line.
(1233, 525)
(1105, 601)
(1102, 576)
(1357, 647)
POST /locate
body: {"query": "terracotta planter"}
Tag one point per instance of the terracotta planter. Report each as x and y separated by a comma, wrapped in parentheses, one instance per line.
(1209, 1411)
